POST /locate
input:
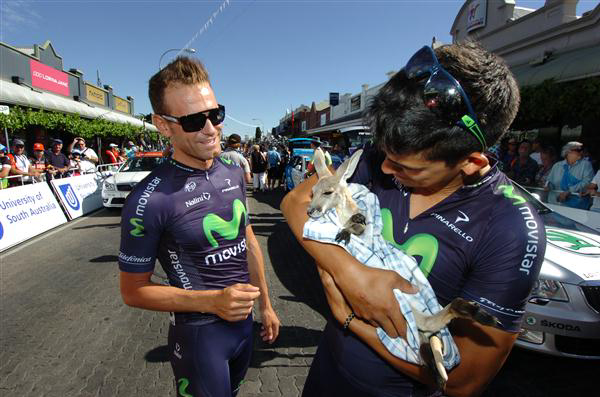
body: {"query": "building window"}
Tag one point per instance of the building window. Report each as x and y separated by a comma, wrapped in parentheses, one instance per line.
(303, 125)
(355, 103)
(323, 119)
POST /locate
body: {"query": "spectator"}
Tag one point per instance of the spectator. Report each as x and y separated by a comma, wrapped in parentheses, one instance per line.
(315, 144)
(78, 145)
(38, 161)
(285, 159)
(168, 150)
(337, 155)
(58, 163)
(593, 191)
(273, 176)
(570, 177)
(258, 165)
(536, 151)
(548, 156)
(510, 155)
(130, 149)
(4, 167)
(21, 164)
(112, 154)
(524, 168)
(123, 155)
(232, 152)
(80, 165)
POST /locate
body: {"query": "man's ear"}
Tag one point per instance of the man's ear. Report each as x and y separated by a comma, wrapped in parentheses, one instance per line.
(474, 162)
(162, 125)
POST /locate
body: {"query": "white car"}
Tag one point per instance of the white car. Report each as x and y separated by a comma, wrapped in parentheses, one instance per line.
(562, 315)
(116, 187)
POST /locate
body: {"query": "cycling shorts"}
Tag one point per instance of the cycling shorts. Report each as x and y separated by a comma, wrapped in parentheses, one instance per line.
(210, 360)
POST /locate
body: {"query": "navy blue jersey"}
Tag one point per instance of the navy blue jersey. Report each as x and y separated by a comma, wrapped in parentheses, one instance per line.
(484, 242)
(194, 221)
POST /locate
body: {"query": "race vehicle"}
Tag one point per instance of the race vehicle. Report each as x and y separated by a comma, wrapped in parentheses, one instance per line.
(116, 187)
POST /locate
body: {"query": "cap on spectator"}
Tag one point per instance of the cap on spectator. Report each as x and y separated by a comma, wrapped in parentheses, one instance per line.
(233, 139)
(130, 143)
(38, 146)
(2, 148)
(113, 145)
(57, 141)
(18, 142)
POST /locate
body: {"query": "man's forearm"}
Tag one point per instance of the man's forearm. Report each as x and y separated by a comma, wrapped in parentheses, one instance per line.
(256, 268)
(151, 296)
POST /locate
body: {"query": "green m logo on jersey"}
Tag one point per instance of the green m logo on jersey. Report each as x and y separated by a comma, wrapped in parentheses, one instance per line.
(422, 244)
(509, 192)
(138, 230)
(226, 160)
(229, 230)
(183, 385)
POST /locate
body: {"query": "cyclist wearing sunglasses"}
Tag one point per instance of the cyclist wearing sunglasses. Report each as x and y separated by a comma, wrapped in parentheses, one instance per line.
(190, 213)
(447, 204)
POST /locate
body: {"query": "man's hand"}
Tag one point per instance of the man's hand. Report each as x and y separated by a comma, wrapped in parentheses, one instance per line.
(269, 331)
(235, 303)
(370, 293)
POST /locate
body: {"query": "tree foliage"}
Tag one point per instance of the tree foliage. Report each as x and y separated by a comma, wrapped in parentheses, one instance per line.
(557, 104)
(258, 134)
(21, 118)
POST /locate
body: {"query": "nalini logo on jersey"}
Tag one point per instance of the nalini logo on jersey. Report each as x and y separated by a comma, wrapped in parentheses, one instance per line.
(190, 187)
(229, 230)
(70, 196)
(571, 241)
(204, 197)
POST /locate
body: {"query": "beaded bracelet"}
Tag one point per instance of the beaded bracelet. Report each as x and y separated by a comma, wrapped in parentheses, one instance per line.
(348, 319)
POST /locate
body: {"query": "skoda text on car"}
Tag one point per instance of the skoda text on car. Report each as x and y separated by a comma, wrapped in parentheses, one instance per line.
(562, 315)
(116, 187)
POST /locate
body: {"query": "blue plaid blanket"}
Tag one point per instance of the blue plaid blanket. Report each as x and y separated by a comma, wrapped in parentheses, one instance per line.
(372, 250)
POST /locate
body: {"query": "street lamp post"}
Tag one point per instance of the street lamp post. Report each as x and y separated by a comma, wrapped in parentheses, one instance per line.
(190, 50)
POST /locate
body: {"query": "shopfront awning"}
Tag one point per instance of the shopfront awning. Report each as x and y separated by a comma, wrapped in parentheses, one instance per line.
(567, 66)
(14, 94)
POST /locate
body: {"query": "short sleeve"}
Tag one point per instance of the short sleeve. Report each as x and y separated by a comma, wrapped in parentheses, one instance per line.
(506, 265)
(596, 179)
(141, 230)
(245, 164)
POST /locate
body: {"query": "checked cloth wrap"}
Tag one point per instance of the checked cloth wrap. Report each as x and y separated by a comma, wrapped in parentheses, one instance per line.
(372, 250)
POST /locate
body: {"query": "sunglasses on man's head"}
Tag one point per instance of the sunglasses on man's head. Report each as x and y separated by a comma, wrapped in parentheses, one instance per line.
(577, 149)
(442, 93)
(196, 121)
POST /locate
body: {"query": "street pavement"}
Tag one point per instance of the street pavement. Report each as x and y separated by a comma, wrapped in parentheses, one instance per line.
(64, 330)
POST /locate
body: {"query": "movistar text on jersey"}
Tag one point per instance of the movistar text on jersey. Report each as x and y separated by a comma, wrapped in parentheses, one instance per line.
(452, 227)
(143, 200)
(225, 254)
(532, 239)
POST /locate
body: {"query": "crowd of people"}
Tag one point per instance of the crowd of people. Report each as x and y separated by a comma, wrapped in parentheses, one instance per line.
(571, 182)
(51, 162)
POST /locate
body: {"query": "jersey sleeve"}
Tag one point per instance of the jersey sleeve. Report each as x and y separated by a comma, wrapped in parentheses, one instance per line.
(142, 222)
(245, 164)
(506, 265)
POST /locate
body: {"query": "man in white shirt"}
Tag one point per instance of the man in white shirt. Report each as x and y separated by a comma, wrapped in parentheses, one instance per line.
(78, 145)
(21, 164)
(595, 192)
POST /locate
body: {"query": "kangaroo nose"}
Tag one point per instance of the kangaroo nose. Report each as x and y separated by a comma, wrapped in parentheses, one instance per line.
(312, 211)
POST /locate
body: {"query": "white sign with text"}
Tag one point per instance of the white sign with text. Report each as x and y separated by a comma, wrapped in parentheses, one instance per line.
(79, 194)
(27, 211)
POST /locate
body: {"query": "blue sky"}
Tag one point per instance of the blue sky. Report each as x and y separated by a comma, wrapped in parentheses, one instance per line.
(263, 56)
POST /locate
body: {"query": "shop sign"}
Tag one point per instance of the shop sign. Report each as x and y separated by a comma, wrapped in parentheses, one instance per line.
(476, 14)
(121, 105)
(4, 109)
(94, 94)
(48, 78)
(79, 194)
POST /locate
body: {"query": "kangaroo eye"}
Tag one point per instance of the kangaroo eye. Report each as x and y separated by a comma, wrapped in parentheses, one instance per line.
(328, 193)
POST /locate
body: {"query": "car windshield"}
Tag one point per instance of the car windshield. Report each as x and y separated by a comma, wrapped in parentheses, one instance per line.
(552, 218)
(138, 164)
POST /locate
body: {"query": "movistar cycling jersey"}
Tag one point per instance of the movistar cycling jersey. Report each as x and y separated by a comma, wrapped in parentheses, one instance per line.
(194, 221)
(484, 242)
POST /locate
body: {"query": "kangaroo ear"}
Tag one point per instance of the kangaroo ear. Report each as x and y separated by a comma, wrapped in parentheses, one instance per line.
(346, 170)
(319, 163)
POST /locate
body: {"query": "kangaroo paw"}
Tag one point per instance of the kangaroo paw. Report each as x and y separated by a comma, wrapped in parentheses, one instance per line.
(358, 219)
(343, 235)
(472, 310)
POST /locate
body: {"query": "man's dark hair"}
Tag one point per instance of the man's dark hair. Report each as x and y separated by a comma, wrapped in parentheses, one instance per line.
(184, 71)
(234, 140)
(403, 125)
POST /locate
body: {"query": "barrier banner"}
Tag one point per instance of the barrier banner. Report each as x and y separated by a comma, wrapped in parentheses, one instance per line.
(27, 211)
(79, 194)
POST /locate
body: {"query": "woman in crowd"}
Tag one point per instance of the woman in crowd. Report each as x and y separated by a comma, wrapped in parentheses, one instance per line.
(548, 158)
(570, 177)
(258, 165)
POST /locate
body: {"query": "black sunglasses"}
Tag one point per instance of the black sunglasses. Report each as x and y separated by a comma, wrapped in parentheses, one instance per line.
(196, 121)
(442, 93)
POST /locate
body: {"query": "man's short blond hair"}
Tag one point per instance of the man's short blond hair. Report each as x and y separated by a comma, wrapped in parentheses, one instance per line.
(183, 70)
